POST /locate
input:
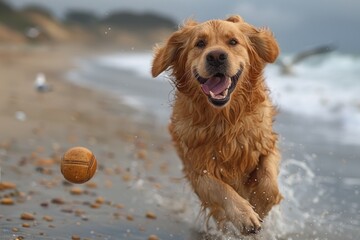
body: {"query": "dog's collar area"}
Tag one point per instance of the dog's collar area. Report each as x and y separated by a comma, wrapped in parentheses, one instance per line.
(218, 87)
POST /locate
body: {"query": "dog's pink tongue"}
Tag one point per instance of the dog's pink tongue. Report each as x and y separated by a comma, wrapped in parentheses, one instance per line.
(215, 84)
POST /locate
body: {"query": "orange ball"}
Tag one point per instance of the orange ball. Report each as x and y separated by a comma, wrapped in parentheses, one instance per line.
(78, 165)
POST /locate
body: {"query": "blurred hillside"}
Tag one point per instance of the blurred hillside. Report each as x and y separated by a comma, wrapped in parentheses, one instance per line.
(35, 25)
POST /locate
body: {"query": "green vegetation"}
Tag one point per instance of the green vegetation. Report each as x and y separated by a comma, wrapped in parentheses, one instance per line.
(13, 19)
(39, 10)
(5, 8)
(82, 18)
(130, 20)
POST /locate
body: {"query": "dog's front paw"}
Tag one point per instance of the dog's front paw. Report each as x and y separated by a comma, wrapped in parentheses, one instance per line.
(244, 218)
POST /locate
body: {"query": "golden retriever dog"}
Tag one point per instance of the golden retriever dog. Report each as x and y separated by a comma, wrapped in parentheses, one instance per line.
(221, 123)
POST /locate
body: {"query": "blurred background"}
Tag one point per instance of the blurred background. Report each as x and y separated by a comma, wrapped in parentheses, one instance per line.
(296, 26)
(78, 73)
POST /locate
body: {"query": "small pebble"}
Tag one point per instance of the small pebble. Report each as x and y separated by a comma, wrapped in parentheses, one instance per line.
(26, 225)
(119, 206)
(7, 185)
(57, 201)
(27, 216)
(150, 215)
(48, 218)
(153, 237)
(142, 154)
(14, 229)
(7, 201)
(127, 177)
(100, 200)
(76, 191)
(75, 237)
(95, 205)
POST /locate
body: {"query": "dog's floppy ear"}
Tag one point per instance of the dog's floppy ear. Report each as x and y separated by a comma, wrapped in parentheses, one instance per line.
(264, 43)
(165, 56)
(262, 40)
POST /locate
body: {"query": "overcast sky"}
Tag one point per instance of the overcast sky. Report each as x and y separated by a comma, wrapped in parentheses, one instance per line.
(297, 24)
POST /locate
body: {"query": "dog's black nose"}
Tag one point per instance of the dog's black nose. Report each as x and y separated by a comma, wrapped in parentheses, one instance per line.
(216, 58)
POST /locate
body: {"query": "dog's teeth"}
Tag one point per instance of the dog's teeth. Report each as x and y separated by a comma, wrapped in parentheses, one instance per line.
(225, 92)
(229, 84)
(212, 94)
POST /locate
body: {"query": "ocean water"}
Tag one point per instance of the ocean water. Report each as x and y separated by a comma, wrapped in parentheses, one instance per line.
(319, 127)
(326, 88)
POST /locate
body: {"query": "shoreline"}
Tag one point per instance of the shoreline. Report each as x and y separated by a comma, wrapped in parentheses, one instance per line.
(133, 156)
(139, 171)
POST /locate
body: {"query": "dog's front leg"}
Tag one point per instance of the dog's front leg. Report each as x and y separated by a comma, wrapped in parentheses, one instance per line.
(219, 196)
(264, 185)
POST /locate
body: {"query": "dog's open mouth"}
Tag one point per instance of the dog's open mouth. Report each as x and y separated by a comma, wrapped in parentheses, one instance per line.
(218, 87)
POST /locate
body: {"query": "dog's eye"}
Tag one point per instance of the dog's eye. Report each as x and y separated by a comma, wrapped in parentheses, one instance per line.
(200, 44)
(233, 42)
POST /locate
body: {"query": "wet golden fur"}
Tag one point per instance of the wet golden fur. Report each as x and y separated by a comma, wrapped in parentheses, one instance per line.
(229, 153)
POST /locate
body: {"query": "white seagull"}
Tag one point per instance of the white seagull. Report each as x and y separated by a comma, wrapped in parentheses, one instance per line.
(40, 83)
(286, 67)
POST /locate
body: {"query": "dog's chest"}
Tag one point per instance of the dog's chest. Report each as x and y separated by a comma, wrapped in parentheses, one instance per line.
(218, 144)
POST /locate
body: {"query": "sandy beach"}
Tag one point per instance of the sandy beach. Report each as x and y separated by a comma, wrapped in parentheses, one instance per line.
(138, 191)
(37, 128)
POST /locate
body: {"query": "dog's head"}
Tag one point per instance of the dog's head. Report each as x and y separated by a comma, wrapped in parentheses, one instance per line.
(212, 58)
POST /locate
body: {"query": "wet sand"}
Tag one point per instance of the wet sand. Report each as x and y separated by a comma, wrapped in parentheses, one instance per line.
(135, 159)
(138, 191)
